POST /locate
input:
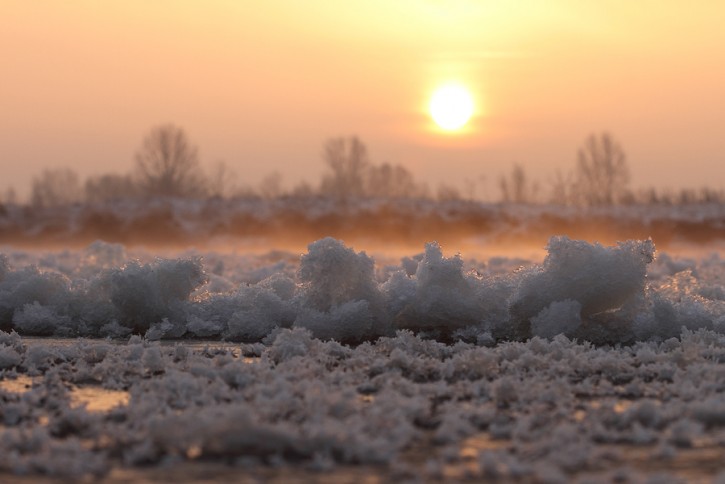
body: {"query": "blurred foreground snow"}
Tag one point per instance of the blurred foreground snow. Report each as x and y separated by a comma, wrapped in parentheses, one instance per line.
(402, 407)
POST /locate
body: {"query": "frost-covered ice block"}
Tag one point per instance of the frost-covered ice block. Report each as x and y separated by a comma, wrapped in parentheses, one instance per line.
(440, 297)
(146, 294)
(582, 290)
(28, 290)
(679, 302)
(597, 278)
(339, 297)
(333, 274)
(559, 317)
(259, 309)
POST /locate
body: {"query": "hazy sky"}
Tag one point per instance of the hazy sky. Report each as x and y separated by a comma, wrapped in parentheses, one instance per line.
(261, 84)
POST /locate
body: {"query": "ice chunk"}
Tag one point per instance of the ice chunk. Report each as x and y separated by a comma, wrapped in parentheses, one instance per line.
(560, 317)
(339, 293)
(399, 291)
(350, 321)
(202, 327)
(290, 343)
(584, 291)
(248, 315)
(281, 285)
(599, 278)
(334, 274)
(679, 301)
(166, 329)
(145, 294)
(38, 320)
(258, 310)
(29, 286)
(443, 298)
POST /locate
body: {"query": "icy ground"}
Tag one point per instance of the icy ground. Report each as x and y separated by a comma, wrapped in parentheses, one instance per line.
(402, 407)
(600, 363)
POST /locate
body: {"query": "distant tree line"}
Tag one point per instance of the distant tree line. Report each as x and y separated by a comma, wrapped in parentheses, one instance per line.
(167, 165)
(600, 177)
(351, 175)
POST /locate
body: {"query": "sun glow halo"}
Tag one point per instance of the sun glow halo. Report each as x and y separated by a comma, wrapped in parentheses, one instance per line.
(451, 106)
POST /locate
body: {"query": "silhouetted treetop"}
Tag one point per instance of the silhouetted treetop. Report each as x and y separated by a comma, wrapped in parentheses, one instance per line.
(167, 164)
(110, 186)
(517, 188)
(352, 175)
(348, 162)
(602, 174)
(392, 181)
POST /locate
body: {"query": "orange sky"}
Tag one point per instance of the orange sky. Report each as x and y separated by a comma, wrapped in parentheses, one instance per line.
(261, 85)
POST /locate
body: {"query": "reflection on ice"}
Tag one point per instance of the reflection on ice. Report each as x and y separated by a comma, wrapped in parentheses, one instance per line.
(18, 384)
(92, 398)
(95, 399)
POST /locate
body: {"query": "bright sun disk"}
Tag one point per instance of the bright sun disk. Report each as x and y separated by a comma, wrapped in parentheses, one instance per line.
(451, 107)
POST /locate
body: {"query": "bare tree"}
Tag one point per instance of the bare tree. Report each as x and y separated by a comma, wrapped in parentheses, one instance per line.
(448, 193)
(10, 196)
(271, 186)
(517, 188)
(471, 187)
(602, 174)
(110, 187)
(167, 164)
(55, 187)
(222, 181)
(561, 188)
(391, 181)
(348, 162)
(302, 190)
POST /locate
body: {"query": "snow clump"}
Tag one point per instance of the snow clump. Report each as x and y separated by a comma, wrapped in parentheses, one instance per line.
(605, 295)
(597, 278)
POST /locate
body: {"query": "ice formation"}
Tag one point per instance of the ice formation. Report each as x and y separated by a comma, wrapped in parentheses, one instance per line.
(595, 278)
(552, 410)
(432, 368)
(616, 294)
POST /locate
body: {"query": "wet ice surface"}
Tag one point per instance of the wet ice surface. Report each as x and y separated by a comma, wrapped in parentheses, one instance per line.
(598, 363)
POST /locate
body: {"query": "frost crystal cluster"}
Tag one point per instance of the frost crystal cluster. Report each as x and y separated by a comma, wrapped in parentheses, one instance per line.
(602, 363)
(616, 294)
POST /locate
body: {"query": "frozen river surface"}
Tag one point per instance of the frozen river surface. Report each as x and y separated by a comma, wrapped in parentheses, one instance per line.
(301, 410)
(593, 365)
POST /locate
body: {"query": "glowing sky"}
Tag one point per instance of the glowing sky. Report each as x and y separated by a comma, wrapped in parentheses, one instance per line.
(261, 85)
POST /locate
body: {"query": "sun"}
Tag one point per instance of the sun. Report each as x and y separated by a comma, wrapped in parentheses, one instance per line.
(451, 106)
